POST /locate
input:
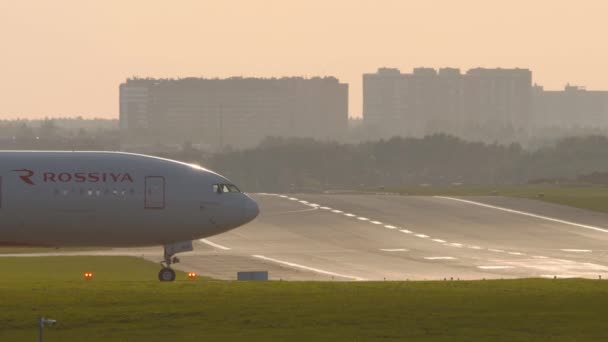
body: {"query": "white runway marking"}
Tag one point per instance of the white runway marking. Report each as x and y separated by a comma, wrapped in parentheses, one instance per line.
(212, 244)
(455, 244)
(516, 253)
(496, 250)
(438, 240)
(293, 211)
(390, 227)
(376, 222)
(574, 224)
(405, 231)
(393, 249)
(312, 269)
(304, 202)
(313, 205)
(293, 199)
(326, 208)
(494, 267)
(440, 258)
(422, 236)
(283, 196)
(474, 247)
(337, 211)
(539, 257)
(350, 215)
(577, 250)
(363, 218)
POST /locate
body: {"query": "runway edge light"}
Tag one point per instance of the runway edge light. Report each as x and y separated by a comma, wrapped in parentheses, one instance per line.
(191, 275)
(88, 275)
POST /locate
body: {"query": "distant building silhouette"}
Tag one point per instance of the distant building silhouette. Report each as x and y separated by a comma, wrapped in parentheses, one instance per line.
(572, 107)
(429, 101)
(236, 112)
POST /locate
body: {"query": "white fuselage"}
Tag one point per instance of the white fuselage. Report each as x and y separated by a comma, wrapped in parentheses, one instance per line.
(112, 199)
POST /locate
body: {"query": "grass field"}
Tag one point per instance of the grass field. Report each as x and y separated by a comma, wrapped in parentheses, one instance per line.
(23, 250)
(124, 303)
(592, 198)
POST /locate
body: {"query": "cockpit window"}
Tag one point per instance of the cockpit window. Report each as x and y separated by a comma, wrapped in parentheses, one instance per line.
(222, 188)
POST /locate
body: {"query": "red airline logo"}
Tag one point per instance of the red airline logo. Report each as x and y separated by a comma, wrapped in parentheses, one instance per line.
(26, 175)
(76, 177)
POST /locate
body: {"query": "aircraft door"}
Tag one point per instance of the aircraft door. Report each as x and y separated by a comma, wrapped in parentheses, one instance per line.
(154, 197)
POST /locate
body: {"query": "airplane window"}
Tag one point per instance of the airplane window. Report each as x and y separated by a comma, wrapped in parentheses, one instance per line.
(233, 188)
(222, 188)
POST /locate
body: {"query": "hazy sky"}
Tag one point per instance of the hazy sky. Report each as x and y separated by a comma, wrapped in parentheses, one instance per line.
(67, 57)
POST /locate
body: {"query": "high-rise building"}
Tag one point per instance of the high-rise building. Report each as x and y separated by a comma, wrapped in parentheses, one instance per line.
(427, 101)
(236, 112)
(499, 97)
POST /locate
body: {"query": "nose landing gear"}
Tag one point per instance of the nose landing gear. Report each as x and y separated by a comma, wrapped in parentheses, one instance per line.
(167, 273)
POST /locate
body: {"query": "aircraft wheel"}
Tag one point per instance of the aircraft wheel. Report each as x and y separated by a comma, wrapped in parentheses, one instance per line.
(166, 274)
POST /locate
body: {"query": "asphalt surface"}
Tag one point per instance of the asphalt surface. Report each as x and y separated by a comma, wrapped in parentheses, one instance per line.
(347, 237)
(378, 237)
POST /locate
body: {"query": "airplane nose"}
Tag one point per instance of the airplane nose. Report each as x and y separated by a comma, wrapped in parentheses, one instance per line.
(251, 210)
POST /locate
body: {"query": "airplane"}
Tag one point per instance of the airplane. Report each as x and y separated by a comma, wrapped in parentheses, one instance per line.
(115, 199)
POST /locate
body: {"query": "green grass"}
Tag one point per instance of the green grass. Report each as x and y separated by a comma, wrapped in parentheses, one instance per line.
(25, 250)
(592, 198)
(124, 303)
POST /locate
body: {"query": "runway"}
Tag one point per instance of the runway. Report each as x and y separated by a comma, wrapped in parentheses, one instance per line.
(358, 237)
(389, 237)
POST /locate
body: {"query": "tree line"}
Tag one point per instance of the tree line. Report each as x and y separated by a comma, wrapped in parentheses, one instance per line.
(279, 165)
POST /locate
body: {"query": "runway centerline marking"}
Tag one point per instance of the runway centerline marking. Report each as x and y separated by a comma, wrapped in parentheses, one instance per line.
(376, 222)
(362, 218)
(405, 231)
(439, 240)
(307, 268)
(393, 249)
(524, 213)
(576, 250)
(292, 211)
(390, 227)
(350, 215)
(440, 258)
(216, 245)
(422, 236)
(337, 211)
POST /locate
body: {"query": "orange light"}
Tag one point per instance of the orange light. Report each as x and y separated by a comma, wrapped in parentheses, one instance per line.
(88, 275)
(191, 275)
